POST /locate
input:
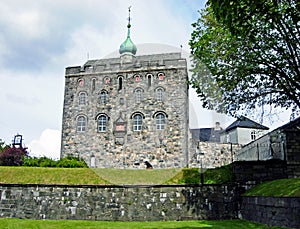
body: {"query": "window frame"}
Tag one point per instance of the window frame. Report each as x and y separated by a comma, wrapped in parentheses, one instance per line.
(103, 97)
(82, 98)
(160, 121)
(81, 124)
(102, 123)
(137, 122)
(159, 94)
(253, 135)
(138, 95)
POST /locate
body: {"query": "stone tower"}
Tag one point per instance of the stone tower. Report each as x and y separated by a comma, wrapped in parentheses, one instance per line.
(121, 112)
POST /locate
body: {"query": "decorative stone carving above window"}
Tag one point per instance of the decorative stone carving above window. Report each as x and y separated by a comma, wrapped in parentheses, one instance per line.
(120, 125)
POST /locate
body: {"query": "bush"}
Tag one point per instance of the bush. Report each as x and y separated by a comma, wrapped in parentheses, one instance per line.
(67, 162)
(71, 162)
(39, 162)
(12, 156)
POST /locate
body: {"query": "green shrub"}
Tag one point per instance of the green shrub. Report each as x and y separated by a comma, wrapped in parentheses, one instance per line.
(39, 162)
(71, 162)
(67, 162)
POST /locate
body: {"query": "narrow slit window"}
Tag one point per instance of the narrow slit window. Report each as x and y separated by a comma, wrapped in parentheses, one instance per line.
(149, 80)
(120, 83)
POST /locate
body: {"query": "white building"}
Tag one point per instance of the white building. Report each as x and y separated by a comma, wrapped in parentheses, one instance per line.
(242, 131)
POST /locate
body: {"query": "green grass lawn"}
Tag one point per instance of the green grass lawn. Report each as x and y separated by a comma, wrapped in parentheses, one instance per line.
(70, 176)
(279, 188)
(137, 176)
(38, 175)
(47, 224)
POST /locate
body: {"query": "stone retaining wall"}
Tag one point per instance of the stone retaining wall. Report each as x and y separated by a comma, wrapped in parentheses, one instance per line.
(132, 203)
(259, 171)
(273, 211)
(212, 154)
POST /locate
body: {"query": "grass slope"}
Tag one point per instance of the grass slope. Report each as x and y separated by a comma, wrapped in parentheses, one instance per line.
(278, 188)
(136, 177)
(47, 224)
(38, 175)
(70, 176)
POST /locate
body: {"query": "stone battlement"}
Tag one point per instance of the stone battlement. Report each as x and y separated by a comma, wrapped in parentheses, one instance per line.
(165, 60)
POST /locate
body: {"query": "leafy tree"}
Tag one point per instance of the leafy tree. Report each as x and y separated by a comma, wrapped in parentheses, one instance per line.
(3, 146)
(252, 53)
(12, 156)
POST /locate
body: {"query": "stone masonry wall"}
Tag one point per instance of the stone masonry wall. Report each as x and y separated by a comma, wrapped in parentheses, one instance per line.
(273, 211)
(259, 171)
(120, 145)
(118, 203)
(212, 154)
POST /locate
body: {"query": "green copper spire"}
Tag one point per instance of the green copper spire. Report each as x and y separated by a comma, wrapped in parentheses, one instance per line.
(128, 46)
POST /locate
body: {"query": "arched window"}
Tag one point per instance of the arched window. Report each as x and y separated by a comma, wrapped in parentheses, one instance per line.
(159, 94)
(161, 76)
(107, 80)
(102, 123)
(137, 122)
(120, 79)
(138, 95)
(137, 78)
(103, 97)
(81, 82)
(82, 98)
(160, 121)
(81, 124)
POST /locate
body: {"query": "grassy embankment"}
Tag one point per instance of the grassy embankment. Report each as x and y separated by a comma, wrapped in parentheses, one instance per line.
(40, 175)
(278, 188)
(86, 176)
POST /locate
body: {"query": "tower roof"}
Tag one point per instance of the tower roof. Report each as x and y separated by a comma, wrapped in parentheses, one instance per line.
(244, 122)
(128, 46)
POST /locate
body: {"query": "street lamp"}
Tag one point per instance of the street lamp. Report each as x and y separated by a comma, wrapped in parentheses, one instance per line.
(199, 160)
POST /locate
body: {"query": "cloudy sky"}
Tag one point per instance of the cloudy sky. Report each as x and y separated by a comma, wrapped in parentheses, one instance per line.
(38, 39)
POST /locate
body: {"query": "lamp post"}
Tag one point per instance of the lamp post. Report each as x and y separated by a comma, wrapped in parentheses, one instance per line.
(199, 160)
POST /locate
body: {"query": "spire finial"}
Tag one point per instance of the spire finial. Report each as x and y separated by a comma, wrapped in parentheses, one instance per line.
(129, 8)
(128, 46)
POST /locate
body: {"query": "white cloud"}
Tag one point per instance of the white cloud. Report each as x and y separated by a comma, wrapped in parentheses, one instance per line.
(47, 145)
